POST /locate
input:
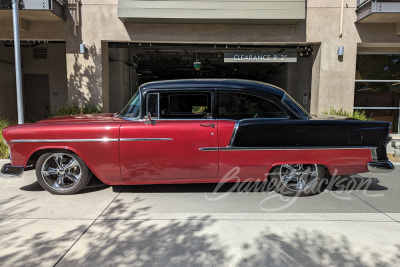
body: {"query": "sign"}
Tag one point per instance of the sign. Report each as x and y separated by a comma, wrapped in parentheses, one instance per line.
(260, 57)
(197, 65)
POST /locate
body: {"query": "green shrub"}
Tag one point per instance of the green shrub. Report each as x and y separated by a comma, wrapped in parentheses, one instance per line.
(74, 108)
(358, 115)
(4, 122)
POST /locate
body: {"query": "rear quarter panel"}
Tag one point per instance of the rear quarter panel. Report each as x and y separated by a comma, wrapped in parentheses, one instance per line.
(343, 146)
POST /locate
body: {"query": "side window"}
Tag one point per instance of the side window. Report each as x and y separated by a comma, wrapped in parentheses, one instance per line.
(185, 105)
(238, 106)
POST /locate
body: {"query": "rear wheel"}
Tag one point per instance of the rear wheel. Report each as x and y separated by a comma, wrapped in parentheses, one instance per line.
(298, 179)
(62, 172)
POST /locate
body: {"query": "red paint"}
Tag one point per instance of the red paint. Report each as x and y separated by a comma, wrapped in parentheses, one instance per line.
(175, 161)
(180, 158)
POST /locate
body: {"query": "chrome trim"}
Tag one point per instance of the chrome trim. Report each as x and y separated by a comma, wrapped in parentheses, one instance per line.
(105, 139)
(380, 167)
(377, 81)
(265, 119)
(207, 125)
(158, 104)
(140, 108)
(193, 119)
(158, 108)
(374, 155)
(278, 148)
(208, 149)
(288, 148)
(145, 139)
(10, 171)
(234, 134)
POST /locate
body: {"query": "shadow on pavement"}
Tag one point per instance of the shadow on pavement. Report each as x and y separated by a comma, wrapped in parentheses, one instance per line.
(311, 248)
(193, 241)
(343, 183)
(32, 187)
(140, 242)
(94, 185)
(357, 183)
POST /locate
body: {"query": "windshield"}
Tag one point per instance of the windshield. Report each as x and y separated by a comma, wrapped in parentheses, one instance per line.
(295, 107)
(132, 109)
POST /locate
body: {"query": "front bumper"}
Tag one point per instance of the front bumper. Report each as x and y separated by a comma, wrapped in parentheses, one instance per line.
(380, 166)
(10, 171)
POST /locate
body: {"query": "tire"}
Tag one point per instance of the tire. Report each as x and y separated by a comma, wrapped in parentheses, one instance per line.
(298, 179)
(62, 172)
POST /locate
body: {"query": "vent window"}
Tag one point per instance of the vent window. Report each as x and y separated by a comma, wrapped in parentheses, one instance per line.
(40, 53)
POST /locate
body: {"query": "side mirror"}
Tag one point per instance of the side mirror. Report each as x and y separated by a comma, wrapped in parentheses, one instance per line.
(148, 120)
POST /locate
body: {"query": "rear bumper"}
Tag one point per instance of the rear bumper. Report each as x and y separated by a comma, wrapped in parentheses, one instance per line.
(380, 166)
(10, 171)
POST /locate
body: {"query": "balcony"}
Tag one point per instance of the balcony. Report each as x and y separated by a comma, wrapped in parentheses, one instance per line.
(378, 11)
(218, 11)
(35, 10)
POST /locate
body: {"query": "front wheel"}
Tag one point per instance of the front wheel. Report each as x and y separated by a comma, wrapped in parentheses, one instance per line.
(298, 179)
(62, 173)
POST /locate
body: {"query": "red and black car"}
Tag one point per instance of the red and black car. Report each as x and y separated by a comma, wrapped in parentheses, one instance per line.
(197, 131)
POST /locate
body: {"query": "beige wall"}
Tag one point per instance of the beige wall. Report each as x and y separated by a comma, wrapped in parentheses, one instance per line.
(217, 11)
(299, 80)
(333, 79)
(336, 76)
(54, 66)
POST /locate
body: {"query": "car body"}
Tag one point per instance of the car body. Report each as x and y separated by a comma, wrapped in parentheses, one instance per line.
(196, 131)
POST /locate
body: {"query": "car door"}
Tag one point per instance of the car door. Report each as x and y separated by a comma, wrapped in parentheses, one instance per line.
(169, 148)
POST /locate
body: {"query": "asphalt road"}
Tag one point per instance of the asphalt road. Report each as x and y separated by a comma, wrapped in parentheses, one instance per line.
(191, 225)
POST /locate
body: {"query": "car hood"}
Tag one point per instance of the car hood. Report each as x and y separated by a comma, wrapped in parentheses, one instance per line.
(82, 118)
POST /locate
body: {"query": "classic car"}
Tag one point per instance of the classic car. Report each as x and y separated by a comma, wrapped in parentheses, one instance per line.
(197, 131)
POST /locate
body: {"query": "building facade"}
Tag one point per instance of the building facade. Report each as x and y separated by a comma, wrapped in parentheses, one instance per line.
(326, 54)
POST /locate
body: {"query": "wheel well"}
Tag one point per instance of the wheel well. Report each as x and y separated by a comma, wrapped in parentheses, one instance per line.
(31, 163)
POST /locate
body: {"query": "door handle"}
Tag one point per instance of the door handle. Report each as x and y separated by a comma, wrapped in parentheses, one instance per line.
(208, 125)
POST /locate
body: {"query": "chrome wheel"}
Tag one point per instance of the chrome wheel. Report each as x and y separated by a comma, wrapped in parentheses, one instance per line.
(61, 171)
(298, 177)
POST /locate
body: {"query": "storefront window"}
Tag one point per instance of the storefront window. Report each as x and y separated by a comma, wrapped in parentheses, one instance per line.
(377, 88)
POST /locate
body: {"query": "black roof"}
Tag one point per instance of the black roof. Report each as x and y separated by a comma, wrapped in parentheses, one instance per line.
(218, 83)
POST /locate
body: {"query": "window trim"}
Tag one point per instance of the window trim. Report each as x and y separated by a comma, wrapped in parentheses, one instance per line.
(158, 103)
(140, 116)
(211, 92)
